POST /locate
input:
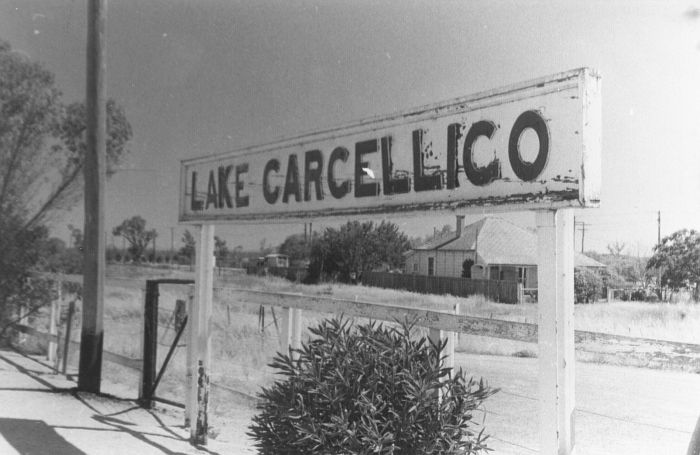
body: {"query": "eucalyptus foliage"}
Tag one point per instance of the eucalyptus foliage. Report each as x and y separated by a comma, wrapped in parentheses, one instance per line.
(677, 259)
(355, 248)
(42, 151)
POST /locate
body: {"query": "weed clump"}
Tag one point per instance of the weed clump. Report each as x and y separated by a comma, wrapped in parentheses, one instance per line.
(368, 389)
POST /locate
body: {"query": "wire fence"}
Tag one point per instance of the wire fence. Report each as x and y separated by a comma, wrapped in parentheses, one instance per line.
(251, 341)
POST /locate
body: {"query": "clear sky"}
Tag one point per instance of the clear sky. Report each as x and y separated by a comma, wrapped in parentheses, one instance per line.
(209, 76)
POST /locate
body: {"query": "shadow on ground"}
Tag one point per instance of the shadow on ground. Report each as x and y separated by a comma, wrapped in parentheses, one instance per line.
(35, 436)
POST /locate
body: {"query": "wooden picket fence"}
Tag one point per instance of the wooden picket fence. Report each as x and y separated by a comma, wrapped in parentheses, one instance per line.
(496, 290)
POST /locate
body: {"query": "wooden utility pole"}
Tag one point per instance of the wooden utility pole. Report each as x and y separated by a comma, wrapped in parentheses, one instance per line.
(658, 229)
(90, 369)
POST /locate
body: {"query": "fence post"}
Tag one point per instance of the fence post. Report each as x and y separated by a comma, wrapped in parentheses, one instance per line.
(53, 327)
(150, 343)
(452, 342)
(291, 329)
(69, 324)
(436, 336)
(190, 398)
(180, 314)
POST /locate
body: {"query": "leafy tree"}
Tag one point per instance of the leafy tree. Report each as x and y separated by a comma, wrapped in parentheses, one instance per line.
(616, 248)
(677, 257)
(42, 143)
(76, 237)
(134, 231)
(220, 250)
(297, 247)
(356, 248)
(56, 257)
(265, 248)
(187, 250)
(42, 152)
(21, 255)
(622, 269)
(587, 286)
(237, 256)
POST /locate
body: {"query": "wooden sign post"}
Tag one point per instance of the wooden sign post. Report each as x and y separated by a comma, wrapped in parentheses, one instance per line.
(555, 302)
(200, 336)
(543, 138)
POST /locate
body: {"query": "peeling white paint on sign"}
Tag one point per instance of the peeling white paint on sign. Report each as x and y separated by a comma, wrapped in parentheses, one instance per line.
(429, 158)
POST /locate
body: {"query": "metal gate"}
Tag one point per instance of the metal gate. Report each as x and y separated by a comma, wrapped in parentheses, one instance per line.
(151, 379)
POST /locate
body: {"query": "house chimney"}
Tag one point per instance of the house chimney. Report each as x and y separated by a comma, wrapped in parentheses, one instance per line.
(460, 223)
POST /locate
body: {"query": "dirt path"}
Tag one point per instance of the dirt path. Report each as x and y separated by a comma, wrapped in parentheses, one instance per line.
(620, 410)
(40, 414)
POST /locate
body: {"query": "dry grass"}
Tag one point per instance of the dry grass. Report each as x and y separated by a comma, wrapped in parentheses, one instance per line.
(241, 351)
(663, 321)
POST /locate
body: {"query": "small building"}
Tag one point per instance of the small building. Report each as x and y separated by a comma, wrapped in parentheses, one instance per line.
(276, 260)
(491, 248)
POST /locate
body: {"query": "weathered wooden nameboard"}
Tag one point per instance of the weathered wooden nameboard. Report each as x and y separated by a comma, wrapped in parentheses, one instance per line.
(422, 159)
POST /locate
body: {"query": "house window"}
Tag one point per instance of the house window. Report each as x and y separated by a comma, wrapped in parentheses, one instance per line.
(415, 267)
(493, 274)
(431, 266)
(467, 268)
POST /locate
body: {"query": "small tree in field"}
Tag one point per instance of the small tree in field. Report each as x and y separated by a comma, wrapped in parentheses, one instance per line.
(296, 246)
(677, 257)
(616, 248)
(188, 247)
(587, 286)
(356, 248)
(134, 231)
(366, 390)
(220, 250)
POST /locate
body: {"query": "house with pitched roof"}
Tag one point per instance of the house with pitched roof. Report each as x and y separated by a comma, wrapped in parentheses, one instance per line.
(491, 248)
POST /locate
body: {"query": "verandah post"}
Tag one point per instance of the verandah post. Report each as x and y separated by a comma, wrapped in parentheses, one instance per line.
(555, 276)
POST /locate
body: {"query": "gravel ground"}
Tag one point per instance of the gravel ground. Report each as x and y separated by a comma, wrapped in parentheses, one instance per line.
(41, 413)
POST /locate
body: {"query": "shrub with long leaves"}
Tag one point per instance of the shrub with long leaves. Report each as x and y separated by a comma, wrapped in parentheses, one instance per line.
(368, 389)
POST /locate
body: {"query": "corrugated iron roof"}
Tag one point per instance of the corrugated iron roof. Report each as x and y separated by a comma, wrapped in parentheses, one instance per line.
(437, 242)
(581, 260)
(498, 241)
